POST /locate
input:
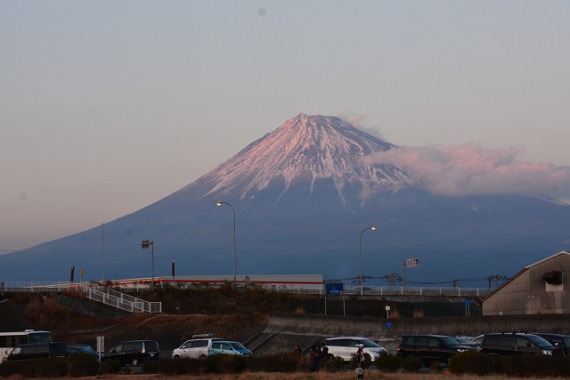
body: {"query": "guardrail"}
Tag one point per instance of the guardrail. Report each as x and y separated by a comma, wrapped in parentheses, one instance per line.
(130, 303)
(417, 291)
(94, 292)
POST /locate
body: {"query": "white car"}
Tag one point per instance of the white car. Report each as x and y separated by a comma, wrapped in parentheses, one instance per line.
(345, 347)
(196, 348)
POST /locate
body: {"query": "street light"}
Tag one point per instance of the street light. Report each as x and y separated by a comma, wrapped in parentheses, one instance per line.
(145, 244)
(360, 277)
(219, 203)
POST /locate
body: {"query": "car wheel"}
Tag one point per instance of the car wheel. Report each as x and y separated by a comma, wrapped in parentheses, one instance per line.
(176, 357)
(202, 357)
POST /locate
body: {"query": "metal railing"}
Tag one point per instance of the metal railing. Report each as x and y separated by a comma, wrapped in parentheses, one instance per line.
(126, 302)
(418, 291)
(121, 300)
(94, 292)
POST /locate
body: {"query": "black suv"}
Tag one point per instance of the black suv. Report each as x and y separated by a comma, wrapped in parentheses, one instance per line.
(38, 351)
(430, 348)
(562, 340)
(515, 344)
(134, 352)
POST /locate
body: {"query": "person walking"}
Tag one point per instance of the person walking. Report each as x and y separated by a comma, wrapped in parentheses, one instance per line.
(317, 358)
(312, 356)
(324, 355)
(360, 362)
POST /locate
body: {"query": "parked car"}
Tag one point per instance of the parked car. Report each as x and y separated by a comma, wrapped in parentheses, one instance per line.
(226, 347)
(346, 346)
(82, 349)
(134, 352)
(463, 339)
(38, 351)
(563, 340)
(196, 348)
(474, 343)
(515, 344)
(430, 348)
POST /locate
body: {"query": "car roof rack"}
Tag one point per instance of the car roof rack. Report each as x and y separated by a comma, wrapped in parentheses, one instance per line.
(208, 335)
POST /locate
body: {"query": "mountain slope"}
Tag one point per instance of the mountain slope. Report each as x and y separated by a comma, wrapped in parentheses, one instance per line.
(302, 198)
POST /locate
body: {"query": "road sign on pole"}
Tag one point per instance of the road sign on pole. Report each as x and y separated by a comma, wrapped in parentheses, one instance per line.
(412, 263)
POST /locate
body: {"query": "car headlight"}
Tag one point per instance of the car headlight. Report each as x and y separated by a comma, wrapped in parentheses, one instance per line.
(547, 352)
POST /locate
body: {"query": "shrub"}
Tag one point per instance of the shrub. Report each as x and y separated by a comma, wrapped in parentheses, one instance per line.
(56, 367)
(533, 366)
(388, 363)
(150, 366)
(34, 368)
(412, 363)
(225, 364)
(332, 364)
(436, 366)
(111, 366)
(184, 366)
(472, 362)
(365, 363)
(279, 362)
(8, 369)
(82, 365)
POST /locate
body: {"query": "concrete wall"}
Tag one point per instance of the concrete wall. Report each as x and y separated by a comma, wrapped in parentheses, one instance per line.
(378, 329)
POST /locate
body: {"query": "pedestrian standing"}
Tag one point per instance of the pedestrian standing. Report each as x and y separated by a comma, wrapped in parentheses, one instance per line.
(558, 351)
(298, 349)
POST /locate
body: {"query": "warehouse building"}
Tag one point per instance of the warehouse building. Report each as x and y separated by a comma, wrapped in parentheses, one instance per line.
(540, 288)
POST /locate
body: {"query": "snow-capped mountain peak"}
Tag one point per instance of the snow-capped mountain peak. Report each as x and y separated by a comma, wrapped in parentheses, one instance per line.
(308, 148)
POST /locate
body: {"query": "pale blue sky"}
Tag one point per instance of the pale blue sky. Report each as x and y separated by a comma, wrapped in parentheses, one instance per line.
(108, 106)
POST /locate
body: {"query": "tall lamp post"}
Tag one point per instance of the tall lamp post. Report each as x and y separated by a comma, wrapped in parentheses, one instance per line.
(219, 203)
(360, 277)
(145, 244)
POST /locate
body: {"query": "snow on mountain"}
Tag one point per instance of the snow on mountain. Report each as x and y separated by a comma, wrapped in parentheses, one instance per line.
(306, 148)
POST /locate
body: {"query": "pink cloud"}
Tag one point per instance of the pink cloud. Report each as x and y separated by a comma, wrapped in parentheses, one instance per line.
(470, 169)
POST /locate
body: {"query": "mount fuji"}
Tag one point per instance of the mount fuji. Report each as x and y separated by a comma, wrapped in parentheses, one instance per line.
(302, 196)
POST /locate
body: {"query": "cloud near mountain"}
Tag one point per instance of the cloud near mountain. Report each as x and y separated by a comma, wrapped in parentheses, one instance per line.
(472, 170)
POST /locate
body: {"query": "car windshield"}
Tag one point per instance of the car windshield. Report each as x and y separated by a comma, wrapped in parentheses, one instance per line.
(477, 340)
(449, 341)
(238, 346)
(367, 342)
(539, 341)
(85, 348)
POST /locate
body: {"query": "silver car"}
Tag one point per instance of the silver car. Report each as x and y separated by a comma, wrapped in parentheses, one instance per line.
(345, 347)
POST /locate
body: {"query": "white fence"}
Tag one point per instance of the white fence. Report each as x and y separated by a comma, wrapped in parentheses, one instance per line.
(94, 292)
(418, 291)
